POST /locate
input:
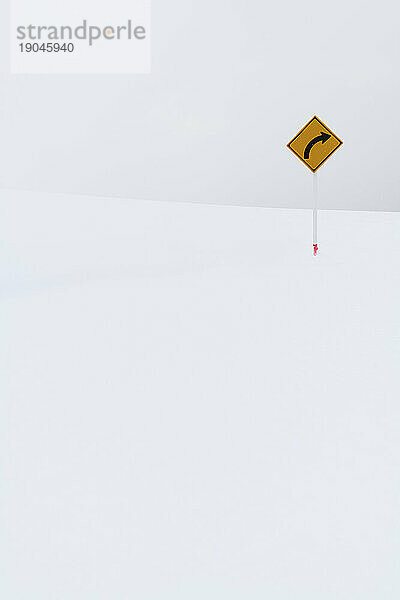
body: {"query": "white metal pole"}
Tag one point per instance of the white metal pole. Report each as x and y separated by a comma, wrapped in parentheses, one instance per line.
(315, 214)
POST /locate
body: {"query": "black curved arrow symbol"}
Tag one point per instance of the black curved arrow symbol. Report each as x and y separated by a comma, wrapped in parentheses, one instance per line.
(320, 138)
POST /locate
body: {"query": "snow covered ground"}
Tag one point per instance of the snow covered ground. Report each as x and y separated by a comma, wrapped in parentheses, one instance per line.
(193, 406)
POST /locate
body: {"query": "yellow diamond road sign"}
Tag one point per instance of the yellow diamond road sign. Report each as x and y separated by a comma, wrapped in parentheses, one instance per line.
(314, 144)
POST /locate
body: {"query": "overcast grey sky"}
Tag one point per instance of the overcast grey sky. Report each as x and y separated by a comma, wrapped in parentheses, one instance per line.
(232, 83)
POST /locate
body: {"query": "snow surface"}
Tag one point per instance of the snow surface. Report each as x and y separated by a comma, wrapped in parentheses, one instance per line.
(193, 406)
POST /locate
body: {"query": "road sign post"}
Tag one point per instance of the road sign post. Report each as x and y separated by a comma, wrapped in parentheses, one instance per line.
(315, 213)
(313, 145)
